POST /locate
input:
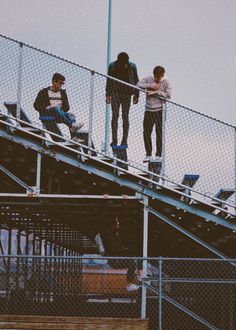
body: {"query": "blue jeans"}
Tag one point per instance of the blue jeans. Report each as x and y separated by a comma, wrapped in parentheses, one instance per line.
(50, 118)
(61, 116)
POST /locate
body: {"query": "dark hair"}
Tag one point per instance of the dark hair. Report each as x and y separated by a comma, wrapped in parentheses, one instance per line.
(158, 69)
(123, 57)
(57, 77)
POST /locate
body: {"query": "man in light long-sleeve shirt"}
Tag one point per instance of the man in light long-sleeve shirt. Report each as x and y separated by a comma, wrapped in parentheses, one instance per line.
(157, 87)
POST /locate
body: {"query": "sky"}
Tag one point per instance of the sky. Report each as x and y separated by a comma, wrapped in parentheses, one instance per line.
(193, 39)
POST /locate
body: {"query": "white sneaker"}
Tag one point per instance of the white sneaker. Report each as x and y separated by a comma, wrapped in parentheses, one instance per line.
(132, 287)
(76, 126)
(76, 139)
(147, 159)
(157, 159)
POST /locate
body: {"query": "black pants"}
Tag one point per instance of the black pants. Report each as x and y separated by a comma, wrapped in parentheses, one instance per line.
(123, 101)
(152, 118)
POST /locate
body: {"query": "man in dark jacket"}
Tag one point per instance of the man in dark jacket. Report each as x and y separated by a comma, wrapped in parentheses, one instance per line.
(114, 245)
(119, 94)
(53, 106)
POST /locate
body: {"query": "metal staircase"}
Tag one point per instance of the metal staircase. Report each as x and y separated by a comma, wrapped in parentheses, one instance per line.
(177, 197)
(184, 187)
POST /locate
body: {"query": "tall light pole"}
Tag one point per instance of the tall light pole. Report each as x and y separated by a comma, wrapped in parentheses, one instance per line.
(107, 113)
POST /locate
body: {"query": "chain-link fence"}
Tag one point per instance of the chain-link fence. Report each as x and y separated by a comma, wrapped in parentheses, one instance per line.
(171, 293)
(192, 142)
(201, 294)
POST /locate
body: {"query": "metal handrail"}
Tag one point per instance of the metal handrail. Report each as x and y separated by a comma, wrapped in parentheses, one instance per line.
(117, 167)
(133, 164)
(106, 76)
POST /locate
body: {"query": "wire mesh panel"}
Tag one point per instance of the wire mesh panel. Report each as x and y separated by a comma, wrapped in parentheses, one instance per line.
(201, 294)
(198, 144)
(192, 143)
(181, 294)
(76, 286)
(9, 70)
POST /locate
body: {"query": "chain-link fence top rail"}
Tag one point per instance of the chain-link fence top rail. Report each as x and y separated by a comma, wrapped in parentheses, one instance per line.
(193, 143)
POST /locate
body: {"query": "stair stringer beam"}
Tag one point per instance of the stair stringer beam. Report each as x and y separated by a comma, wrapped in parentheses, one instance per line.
(110, 176)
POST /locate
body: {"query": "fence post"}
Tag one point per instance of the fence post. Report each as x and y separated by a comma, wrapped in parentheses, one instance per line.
(38, 172)
(163, 168)
(90, 132)
(160, 293)
(235, 169)
(19, 78)
(107, 112)
(145, 251)
(107, 130)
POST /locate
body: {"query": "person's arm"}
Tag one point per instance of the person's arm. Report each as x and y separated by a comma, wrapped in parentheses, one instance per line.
(166, 92)
(109, 83)
(146, 84)
(99, 242)
(40, 102)
(136, 92)
(65, 102)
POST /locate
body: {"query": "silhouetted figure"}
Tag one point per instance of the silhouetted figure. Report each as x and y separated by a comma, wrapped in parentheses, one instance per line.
(114, 246)
(119, 95)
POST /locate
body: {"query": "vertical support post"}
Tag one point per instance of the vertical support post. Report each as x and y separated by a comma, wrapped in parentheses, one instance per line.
(91, 109)
(9, 263)
(107, 113)
(18, 252)
(26, 253)
(145, 253)
(235, 169)
(2, 250)
(160, 294)
(19, 79)
(38, 172)
(163, 139)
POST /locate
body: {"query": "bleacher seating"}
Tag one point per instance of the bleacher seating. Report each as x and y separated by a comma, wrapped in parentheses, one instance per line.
(70, 323)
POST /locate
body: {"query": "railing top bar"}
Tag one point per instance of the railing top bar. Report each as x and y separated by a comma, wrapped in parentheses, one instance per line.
(71, 62)
(106, 76)
(115, 166)
(199, 113)
(99, 257)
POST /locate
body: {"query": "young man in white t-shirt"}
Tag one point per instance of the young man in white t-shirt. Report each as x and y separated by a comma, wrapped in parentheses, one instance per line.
(53, 106)
(158, 89)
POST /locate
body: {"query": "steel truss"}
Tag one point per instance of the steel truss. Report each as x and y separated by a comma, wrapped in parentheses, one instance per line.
(143, 187)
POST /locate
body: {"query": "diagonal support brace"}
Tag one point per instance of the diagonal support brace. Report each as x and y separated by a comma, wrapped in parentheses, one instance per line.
(16, 179)
(185, 232)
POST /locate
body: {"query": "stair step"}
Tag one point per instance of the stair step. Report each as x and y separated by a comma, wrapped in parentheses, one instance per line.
(95, 162)
(203, 206)
(33, 130)
(179, 188)
(3, 117)
(224, 194)
(62, 144)
(128, 176)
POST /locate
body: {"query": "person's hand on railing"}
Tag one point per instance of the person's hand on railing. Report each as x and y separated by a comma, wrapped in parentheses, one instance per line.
(149, 93)
(154, 87)
(108, 99)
